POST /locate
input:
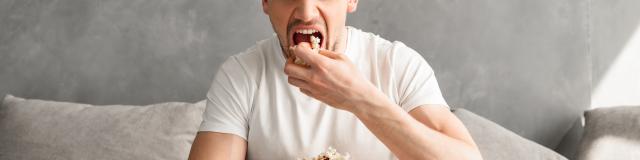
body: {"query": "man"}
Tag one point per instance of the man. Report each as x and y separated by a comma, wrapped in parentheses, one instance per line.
(358, 93)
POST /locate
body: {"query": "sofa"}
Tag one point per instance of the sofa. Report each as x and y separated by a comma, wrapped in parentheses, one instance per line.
(38, 129)
(41, 129)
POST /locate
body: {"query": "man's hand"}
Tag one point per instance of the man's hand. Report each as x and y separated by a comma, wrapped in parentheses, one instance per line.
(427, 133)
(331, 78)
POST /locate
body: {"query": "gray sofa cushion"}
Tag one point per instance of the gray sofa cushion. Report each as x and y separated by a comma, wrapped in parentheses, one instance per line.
(611, 133)
(37, 129)
(496, 142)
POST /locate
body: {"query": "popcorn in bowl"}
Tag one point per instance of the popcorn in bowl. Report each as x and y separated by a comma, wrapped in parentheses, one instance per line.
(330, 154)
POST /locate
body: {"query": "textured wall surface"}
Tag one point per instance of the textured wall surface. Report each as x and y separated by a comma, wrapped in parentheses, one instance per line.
(522, 63)
(613, 25)
(121, 51)
(616, 52)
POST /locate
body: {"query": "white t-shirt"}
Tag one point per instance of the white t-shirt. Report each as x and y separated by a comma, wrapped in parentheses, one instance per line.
(250, 97)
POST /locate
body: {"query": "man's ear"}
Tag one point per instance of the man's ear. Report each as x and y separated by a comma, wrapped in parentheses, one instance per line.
(352, 5)
(265, 6)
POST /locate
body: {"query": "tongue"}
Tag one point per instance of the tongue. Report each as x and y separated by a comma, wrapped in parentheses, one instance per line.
(299, 38)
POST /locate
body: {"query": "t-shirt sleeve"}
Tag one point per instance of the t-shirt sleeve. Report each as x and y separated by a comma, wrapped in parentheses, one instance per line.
(416, 81)
(228, 105)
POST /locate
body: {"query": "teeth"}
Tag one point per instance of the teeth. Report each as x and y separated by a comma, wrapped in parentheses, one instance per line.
(307, 31)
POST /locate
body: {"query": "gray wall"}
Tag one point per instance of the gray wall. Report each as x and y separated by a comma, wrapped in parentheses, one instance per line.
(613, 23)
(616, 53)
(121, 51)
(524, 64)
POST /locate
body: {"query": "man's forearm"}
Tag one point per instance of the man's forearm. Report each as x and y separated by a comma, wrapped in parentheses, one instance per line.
(408, 138)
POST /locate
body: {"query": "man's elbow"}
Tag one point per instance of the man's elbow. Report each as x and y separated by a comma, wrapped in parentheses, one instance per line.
(473, 153)
(468, 152)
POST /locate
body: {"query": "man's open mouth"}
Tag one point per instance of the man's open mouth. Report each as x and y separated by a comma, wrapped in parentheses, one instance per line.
(306, 35)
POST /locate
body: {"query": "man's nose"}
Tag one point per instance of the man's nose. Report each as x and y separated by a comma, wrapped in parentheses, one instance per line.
(306, 10)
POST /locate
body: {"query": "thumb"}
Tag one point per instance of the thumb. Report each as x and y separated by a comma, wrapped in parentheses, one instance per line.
(304, 52)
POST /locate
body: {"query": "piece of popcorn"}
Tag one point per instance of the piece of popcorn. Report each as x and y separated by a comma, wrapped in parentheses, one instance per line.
(330, 154)
(315, 45)
(315, 42)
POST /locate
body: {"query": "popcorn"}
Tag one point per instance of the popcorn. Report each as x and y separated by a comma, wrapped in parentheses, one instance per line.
(315, 45)
(330, 154)
(315, 42)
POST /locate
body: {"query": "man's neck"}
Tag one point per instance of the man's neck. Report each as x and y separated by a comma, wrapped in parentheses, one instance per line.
(341, 43)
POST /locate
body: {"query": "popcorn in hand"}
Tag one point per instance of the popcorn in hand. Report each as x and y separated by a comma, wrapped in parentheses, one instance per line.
(315, 45)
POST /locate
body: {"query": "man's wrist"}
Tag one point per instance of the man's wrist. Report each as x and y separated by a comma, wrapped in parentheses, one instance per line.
(373, 103)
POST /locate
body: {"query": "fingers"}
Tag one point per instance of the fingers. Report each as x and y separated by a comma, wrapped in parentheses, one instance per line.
(303, 51)
(331, 54)
(295, 70)
(305, 91)
(298, 82)
(302, 85)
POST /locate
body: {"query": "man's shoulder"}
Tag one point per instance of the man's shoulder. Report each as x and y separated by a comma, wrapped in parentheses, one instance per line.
(367, 37)
(251, 61)
(257, 55)
(381, 45)
(396, 52)
(259, 51)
